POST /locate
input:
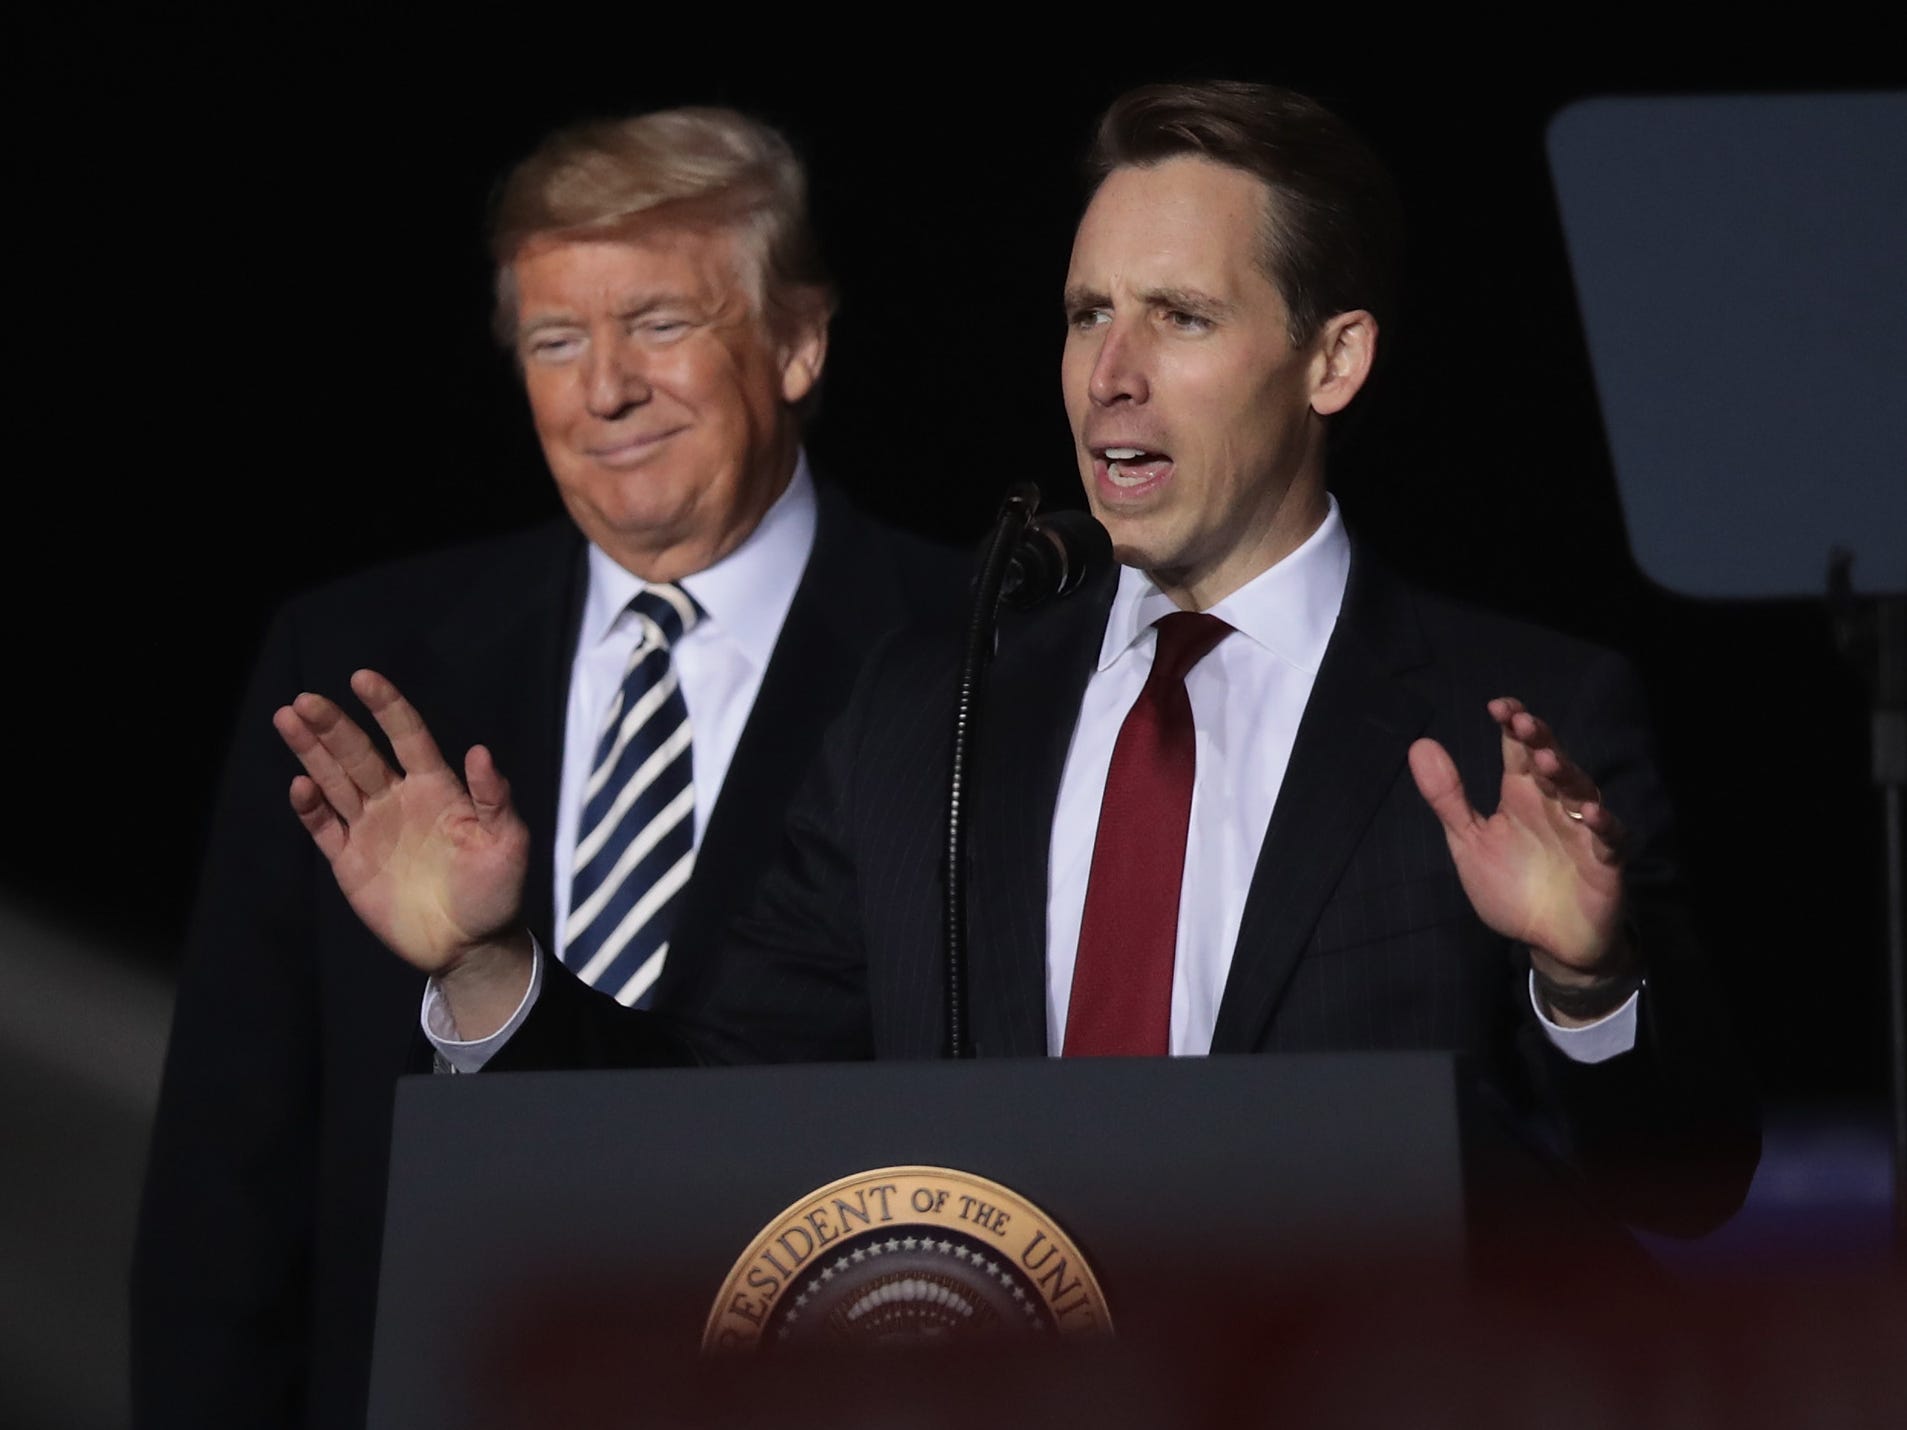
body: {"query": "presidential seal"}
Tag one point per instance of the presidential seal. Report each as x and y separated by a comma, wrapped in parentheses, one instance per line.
(906, 1256)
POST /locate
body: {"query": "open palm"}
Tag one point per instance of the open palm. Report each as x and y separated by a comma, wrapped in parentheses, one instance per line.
(432, 864)
(1546, 867)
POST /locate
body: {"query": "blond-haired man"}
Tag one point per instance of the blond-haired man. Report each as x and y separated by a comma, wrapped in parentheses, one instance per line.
(661, 290)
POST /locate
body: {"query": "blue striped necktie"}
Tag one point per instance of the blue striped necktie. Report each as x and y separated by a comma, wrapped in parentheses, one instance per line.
(636, 839)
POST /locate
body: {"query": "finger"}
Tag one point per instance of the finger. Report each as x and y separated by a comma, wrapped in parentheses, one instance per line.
(363, 764)
(1609, 835)
(1533, 730)
(293, 723)
(1437, 781)
(1563, 778)
(489, 790)
(1555, 774)
(1506, 710)
(320, 820)
(1538, 741)
(411, 742)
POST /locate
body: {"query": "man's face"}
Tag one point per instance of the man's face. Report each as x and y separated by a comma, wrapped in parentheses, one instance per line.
(661, 399)
(1191, 410)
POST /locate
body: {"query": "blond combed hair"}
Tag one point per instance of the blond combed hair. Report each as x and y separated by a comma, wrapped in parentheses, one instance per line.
(696, 165)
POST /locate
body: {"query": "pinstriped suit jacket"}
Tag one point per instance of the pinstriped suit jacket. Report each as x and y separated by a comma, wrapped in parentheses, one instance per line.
(1356, 933)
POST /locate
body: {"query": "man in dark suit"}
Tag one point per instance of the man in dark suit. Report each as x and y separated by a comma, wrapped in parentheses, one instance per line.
(1231, 794)
(660, 287)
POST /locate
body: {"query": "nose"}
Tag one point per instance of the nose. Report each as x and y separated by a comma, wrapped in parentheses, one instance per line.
(614, 380)
(1119, 369)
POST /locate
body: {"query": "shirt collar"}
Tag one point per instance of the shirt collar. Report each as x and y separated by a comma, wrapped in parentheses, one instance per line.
(744, 595)
(1289, 608)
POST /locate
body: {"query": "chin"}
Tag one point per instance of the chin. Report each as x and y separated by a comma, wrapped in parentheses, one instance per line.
(1132, 543)
(1132, 550)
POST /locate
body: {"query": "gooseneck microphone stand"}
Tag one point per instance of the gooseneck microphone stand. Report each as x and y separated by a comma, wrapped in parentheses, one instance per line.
(1028, 559)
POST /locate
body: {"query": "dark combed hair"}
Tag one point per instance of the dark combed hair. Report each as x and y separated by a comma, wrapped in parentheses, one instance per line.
(1333, 231)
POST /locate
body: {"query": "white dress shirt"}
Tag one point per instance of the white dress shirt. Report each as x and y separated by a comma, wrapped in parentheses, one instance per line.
(719, 665)
(1247, 698)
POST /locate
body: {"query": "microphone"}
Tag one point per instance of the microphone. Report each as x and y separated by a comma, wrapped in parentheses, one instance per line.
(1054, 554)
(1028, 559)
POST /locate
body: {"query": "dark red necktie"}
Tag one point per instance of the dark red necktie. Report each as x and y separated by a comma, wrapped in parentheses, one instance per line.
(1122, 980)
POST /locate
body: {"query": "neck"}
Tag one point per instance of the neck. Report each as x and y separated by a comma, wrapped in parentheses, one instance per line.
(673, 556)
(1290, 524)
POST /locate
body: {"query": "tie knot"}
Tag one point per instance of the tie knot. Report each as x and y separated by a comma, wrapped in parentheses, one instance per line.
(1184, 639)
(667, 608)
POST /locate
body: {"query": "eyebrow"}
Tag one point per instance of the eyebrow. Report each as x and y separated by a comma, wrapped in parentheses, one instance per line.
(1185, 300)
(529, 327)
(1189, 300)
(1073, 299)
(637, 308)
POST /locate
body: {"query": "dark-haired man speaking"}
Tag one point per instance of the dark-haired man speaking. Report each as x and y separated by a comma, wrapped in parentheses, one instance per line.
(1250, 793)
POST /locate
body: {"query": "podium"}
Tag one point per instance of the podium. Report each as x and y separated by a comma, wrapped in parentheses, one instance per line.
(557, 1241)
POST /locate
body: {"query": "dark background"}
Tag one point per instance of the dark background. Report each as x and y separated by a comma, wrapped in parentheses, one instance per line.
(249, 313)
(252, 311)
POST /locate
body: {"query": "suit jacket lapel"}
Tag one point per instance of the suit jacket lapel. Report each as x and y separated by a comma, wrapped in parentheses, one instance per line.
(506, 651)
(822, 643)
(1037, 680)
(1351, 745)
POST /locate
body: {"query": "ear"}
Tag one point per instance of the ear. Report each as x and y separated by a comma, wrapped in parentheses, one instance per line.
(801, 356)
(1345, 348)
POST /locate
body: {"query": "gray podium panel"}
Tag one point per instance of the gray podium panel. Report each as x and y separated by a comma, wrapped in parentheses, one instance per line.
(587, 1221)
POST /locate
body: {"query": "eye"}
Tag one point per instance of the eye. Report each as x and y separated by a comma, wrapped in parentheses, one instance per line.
(553, 347)
(1184, 322)
(1085, 319)
(662, 329)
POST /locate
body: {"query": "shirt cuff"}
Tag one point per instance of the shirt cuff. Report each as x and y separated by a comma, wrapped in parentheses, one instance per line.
(454, 1055)
(1609, 1036)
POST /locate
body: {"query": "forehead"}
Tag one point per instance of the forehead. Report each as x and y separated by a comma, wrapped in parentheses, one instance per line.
(1182, 222)
(642, 263)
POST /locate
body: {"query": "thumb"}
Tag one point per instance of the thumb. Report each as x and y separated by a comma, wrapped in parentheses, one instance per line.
(489, 790)
(1437, 781)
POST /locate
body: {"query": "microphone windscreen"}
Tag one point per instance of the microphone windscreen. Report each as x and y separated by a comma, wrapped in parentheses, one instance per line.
(1054, 555)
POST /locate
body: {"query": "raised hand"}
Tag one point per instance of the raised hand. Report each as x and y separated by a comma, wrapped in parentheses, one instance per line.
(434, 865)
(1546, 867)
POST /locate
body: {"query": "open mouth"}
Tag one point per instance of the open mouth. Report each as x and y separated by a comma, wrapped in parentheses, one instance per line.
(1130, 468)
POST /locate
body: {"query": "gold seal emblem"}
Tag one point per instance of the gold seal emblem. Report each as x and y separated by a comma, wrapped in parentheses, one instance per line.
(906, 1255)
